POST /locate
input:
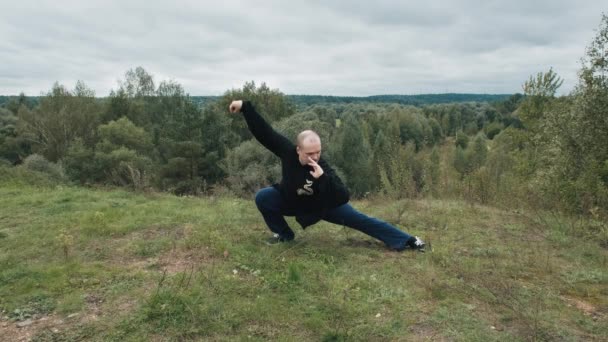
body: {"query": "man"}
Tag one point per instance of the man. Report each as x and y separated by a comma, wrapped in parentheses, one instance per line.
(310, 190)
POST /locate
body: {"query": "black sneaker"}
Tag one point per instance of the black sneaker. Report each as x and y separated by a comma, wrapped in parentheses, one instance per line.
(276, 238)
(416, 243)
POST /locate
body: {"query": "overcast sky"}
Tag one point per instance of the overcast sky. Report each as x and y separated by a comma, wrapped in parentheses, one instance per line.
(356, 48)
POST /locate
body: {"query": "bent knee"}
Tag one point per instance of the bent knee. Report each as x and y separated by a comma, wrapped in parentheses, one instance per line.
(259, 198)
(264, 197)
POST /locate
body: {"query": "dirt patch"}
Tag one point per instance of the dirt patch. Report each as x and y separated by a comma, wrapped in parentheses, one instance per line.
(49, 325)
(587, 308)
(28, 329)
(122, 251)
(424, 332)
(57, 325)
(93, 310)
(179, 260)
(175, 232)
(173, 261)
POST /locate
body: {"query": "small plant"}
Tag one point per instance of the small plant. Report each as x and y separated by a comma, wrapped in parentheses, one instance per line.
(35, 306)
(599, 226)
(66, 241)
(99, 218)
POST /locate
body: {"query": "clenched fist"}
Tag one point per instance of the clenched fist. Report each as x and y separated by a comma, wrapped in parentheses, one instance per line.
(317, 170)
(235, 106)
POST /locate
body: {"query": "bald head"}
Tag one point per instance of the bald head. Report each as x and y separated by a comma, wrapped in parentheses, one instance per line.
(308, 137)
(309, 146)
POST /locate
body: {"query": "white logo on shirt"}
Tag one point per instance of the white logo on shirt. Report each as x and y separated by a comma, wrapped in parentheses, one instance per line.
(306, 189)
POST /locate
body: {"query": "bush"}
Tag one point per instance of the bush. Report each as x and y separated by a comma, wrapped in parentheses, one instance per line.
(5, 162)
(38, 163)
(493, 129)
(250, 167)
(19, 176)
(462, 140)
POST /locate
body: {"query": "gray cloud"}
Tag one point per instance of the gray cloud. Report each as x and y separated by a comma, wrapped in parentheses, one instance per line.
(314, 47)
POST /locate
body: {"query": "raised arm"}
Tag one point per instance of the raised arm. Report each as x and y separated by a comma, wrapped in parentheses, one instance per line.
(261, 130)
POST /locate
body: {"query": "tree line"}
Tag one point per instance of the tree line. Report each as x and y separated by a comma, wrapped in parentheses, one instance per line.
(147, 135)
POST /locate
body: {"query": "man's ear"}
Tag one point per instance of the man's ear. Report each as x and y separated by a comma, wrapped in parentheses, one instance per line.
(297, 148)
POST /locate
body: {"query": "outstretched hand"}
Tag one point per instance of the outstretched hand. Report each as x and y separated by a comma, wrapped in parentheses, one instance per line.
(235, 106)
(317, 170)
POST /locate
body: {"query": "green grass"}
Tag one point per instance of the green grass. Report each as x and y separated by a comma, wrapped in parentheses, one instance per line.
(157, 267)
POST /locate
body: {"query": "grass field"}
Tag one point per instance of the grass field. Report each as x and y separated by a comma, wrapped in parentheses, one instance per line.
(110, 265)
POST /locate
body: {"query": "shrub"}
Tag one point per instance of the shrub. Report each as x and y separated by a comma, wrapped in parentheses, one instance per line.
(38, 163)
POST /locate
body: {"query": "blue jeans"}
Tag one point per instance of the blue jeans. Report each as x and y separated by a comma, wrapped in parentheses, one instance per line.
(272, 207)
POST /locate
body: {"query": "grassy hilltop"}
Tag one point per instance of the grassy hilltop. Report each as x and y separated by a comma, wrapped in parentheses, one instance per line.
(85, 264)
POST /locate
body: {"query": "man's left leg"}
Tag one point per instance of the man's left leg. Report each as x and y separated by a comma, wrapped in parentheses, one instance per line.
(393, 237)
(270, 204)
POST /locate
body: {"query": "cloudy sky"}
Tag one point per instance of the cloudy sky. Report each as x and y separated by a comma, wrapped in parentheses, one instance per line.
(325, 47)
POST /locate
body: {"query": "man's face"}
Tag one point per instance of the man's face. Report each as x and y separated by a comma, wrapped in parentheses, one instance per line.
(309, 149)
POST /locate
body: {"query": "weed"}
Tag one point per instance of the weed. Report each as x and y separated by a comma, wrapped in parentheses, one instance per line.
(66, 241)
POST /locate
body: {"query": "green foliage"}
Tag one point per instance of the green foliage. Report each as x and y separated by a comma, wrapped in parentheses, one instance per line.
(61, 118)
(158, 136)
(19, 175)
(179, 138)
(462, 164)
(508, 106)
(352, 153)
(250, 167)
(458, 116)
(13, 147)
(134, 99)
(13, 103)
(404, 176)
(216, 139)
(384, 151)
(479, 152)
(462, 140)
(138, 83)
(80, 164)
(493, 129)
(475, 173)
(123, 133)
(434, 171)
(539, 91)
(595, 63)
(38, 163)
(293, 125)
(561, 152)
(436, 131)
(66, 242)
(271, 102)
(587, 146)
(8, 124)
(121, 153)
(183, 135)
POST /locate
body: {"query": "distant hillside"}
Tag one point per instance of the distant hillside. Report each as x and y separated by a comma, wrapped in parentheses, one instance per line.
(307, 100)
(30, 100)
(415, 100)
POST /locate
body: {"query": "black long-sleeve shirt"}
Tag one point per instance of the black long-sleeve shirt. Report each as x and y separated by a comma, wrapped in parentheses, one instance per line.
(300, 190)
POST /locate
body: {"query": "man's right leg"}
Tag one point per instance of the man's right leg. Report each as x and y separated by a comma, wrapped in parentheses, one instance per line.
(270, 204)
